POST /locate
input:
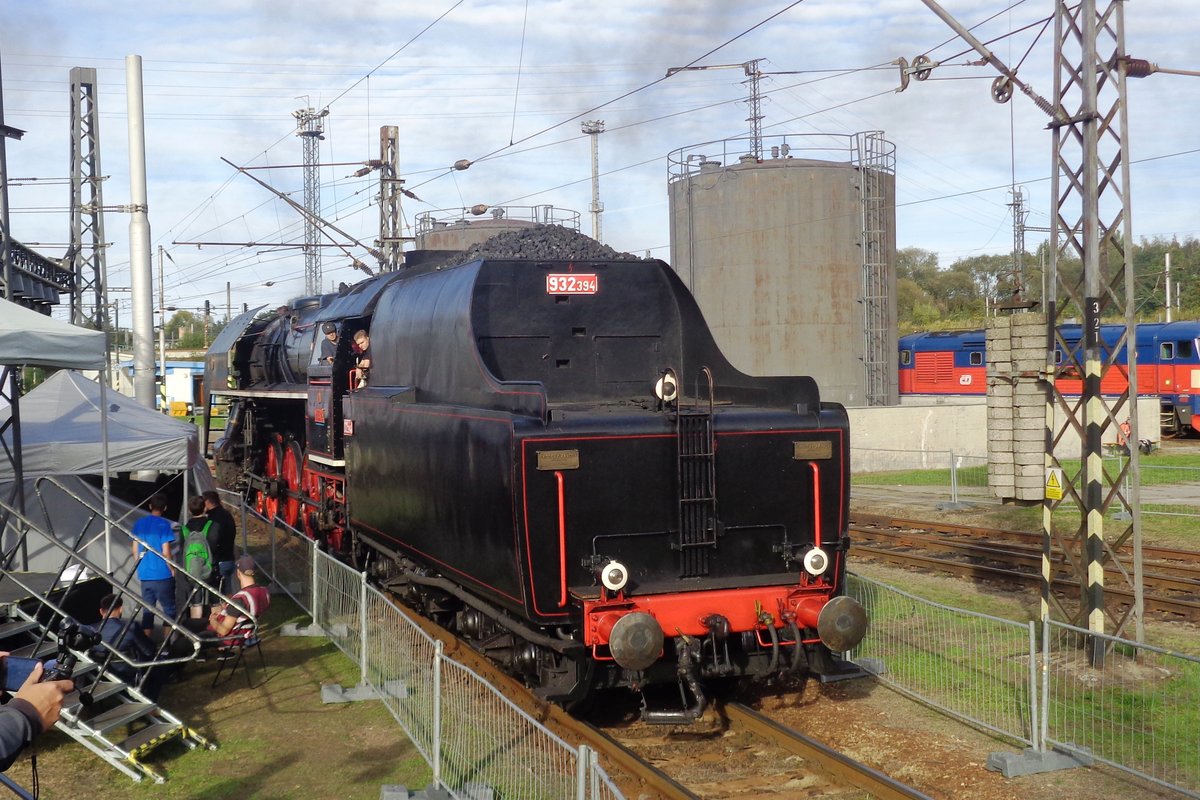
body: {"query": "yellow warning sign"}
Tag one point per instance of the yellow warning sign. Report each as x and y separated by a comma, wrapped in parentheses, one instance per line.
(1054, 484)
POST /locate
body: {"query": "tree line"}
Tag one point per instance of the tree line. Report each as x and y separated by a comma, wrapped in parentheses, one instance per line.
(963, 294)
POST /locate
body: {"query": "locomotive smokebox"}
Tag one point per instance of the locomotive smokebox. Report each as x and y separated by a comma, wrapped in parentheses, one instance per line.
(636, 641)
(842, 624)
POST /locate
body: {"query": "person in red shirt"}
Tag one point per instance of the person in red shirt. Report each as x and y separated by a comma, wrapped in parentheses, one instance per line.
(239, 616)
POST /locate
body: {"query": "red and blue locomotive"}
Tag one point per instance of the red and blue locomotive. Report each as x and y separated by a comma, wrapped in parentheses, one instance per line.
(1168, 359)
(554, 459)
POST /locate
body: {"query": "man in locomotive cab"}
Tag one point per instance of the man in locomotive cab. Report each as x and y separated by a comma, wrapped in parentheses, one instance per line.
(362, 355)
(329, 343)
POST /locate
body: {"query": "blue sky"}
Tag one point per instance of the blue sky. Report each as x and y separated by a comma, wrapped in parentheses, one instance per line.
(223, 82)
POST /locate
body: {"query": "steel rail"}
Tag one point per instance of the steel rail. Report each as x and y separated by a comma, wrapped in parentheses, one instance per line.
(838, 765)
(1186, 608)
(884, 521)
(1175, 577)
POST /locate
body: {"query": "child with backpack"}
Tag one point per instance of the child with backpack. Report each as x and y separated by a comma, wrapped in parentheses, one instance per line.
(199, 539)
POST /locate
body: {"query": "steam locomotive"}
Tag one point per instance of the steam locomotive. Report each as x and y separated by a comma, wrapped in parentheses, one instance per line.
(553, 459)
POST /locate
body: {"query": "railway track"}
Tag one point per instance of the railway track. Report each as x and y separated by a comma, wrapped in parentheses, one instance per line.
(628, 758)
(854, 773)
(972, 552)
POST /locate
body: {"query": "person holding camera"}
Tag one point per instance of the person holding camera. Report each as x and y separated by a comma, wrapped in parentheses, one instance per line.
(32, 710)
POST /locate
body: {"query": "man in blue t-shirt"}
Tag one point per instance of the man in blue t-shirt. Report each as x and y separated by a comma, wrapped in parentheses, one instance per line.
(154, 535)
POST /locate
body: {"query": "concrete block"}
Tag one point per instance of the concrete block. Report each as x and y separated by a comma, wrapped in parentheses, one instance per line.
(1027, 320)
(1029, 355)
(1031, 762)
(334, 693)
(396, 689)
(291, 629)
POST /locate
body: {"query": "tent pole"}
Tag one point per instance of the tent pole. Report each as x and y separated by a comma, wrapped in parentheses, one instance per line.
(104, 468)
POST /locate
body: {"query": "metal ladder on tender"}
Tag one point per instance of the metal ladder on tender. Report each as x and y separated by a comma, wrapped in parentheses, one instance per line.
(696, 479)
(102, 707)
(112, 705)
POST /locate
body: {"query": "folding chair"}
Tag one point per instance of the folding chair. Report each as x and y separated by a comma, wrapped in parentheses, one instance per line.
(233, 653)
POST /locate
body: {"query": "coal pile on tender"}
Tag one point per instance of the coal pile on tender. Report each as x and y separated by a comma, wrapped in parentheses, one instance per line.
(542, 242)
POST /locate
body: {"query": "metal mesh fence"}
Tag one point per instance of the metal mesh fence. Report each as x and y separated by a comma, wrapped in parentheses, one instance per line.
(486, 740)
(933, 475)
(337, 603)
(400, 658)
(471, 736)
(1139, 712)
(972, 666)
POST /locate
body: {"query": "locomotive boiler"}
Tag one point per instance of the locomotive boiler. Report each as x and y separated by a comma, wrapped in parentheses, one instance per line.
(553, 459)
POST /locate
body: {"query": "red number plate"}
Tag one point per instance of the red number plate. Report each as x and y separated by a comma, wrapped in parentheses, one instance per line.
(572, 283)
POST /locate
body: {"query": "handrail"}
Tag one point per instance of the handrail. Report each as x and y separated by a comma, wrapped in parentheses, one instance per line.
(97, 570)
(73, 554)
(129, 535)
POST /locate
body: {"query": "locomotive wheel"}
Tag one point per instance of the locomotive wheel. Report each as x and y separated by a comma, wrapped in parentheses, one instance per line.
(311, 488)
(268, 499)
(293, 468)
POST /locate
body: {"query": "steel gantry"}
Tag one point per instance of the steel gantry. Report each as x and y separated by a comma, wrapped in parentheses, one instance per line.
(310, 127)
(1090, 223)
(86, 253)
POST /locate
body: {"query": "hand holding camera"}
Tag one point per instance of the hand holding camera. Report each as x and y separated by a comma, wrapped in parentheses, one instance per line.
(46, 696)
(26, 680)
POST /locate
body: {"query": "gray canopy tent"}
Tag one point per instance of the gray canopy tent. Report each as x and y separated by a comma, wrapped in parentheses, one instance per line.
(28, 338)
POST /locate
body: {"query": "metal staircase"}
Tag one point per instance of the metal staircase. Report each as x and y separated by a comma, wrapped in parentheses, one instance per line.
(108, 716)
(112, 718)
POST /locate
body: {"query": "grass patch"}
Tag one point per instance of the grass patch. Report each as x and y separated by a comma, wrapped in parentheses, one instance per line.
(276, 740)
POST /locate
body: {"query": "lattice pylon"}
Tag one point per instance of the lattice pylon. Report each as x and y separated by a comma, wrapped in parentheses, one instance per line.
(1091, 221)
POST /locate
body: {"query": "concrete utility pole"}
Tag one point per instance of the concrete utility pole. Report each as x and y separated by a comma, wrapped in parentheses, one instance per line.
(593, 129)
(162, 334)
(89, 295)
(140, 281)
(6, 133)
(1167, 272)
(310, 127)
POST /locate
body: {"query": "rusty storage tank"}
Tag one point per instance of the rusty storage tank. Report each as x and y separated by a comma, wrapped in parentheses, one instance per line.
(459, 228)
(789, 245)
